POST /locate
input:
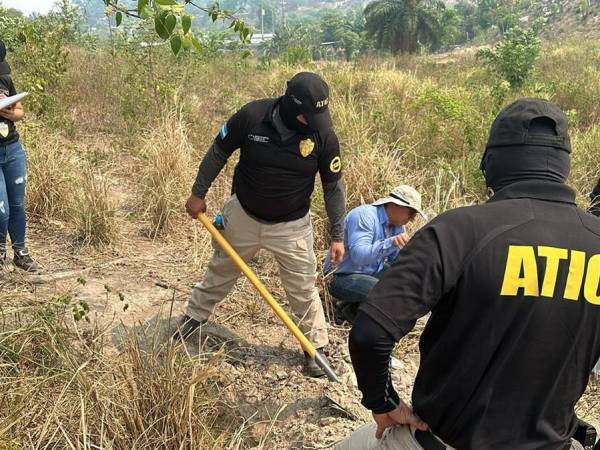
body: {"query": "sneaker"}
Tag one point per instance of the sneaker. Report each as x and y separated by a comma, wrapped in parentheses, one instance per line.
(24, 261)
(186, 326)
(311, 367)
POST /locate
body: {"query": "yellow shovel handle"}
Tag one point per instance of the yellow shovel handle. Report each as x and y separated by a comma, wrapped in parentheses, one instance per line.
(304, 342)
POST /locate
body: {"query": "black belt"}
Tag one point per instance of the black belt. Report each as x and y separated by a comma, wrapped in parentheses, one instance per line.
(428, 441)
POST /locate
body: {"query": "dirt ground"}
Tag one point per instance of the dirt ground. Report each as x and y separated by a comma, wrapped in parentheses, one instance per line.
(260, 369)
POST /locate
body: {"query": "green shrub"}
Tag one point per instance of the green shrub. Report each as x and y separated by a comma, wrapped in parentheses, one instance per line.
(514, 56)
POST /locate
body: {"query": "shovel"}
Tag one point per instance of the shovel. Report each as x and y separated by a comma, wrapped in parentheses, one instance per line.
(306, 345)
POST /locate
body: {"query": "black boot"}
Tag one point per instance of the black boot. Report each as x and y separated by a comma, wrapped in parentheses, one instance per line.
(186, 326)
(24, 261)
(312, 368)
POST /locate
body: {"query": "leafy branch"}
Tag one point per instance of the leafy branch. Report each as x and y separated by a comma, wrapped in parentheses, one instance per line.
(172, 23)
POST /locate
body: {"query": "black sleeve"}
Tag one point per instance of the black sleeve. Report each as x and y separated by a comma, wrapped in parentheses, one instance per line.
(595, 200)
(408, 290)
(411, 287)
(333, 193)
(370, 349)
(330, 162)
(231, 135)
(11, 88)
(211, 165)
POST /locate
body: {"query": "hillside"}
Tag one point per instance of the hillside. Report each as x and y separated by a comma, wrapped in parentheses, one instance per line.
(566, 17)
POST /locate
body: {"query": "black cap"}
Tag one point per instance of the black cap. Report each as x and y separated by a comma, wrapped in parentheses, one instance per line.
(310, 94)
(512, 126)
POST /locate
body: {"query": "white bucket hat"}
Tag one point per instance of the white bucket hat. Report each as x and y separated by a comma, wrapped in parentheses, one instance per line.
(403, 195)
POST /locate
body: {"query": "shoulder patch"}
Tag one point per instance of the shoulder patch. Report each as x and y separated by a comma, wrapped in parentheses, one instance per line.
(223, 131)
(335, 165)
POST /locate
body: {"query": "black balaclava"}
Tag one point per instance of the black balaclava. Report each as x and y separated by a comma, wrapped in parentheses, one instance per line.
(4, 67)
(534, 145)
(288, 111)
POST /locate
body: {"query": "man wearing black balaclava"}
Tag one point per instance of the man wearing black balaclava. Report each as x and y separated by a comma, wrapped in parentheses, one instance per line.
(284, 142)
(513, 287)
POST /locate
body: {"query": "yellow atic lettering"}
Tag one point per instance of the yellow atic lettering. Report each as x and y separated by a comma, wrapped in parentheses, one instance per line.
(592, 281)
(575, 277)
(521, 259)
(553, 257)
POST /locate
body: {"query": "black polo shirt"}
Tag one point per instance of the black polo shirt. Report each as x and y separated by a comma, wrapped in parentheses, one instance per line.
(275, 178)
(513, 286)
(8, 131)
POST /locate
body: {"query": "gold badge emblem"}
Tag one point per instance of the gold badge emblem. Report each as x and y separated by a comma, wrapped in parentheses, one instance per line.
(306, 147)
(335, 165)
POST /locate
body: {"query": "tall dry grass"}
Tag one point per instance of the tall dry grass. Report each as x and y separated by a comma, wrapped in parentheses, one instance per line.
(64, 387)
(94, 211)
(167, 167)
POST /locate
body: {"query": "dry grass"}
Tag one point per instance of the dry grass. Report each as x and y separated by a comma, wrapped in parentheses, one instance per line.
(64, 387)
(53, 173)
(167, 169)
(94, 212)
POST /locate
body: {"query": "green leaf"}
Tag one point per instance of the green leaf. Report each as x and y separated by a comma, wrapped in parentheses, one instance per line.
(161, 29)
(146, 12)
(165, 2)
(196, 43)
(246, 53)
(119, 17)
(175, 44)
(186, 23)
(141, 5)
(170, 23)
(186, 43)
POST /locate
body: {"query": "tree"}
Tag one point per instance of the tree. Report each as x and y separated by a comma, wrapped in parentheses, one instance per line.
(343, 32)
(399, 25)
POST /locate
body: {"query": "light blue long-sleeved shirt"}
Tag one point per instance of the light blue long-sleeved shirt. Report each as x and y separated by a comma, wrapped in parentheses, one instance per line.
(368, 241)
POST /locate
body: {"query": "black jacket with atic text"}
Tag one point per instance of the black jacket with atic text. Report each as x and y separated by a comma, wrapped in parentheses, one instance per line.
(514, 290)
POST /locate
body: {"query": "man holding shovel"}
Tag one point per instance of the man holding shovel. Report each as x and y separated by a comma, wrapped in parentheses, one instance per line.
(284, 142)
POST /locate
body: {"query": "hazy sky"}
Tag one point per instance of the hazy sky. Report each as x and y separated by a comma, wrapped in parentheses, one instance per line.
(29, 6)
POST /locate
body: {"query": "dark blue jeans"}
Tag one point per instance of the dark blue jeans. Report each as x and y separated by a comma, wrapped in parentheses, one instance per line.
(13, 177)
(352, 289)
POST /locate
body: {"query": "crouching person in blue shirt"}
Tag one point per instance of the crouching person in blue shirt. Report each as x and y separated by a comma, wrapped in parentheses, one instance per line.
(373, 237)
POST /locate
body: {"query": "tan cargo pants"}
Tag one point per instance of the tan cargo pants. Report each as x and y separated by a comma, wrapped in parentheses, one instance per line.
(292, 245)
(400, 437)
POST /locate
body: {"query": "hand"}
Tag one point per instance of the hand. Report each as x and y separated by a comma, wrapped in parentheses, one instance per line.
(402, 415)
(14, 113)
(194, 206)
(8, 112)
(336, 253)
(400, 240)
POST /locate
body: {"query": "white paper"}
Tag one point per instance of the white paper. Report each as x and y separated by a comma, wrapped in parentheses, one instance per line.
(7, 101)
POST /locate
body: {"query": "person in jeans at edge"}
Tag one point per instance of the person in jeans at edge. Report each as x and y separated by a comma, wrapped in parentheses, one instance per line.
(13, 175)
(373, 237)
(513, 287)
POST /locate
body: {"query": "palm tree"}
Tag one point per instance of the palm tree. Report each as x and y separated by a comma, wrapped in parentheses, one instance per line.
(399, 25)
